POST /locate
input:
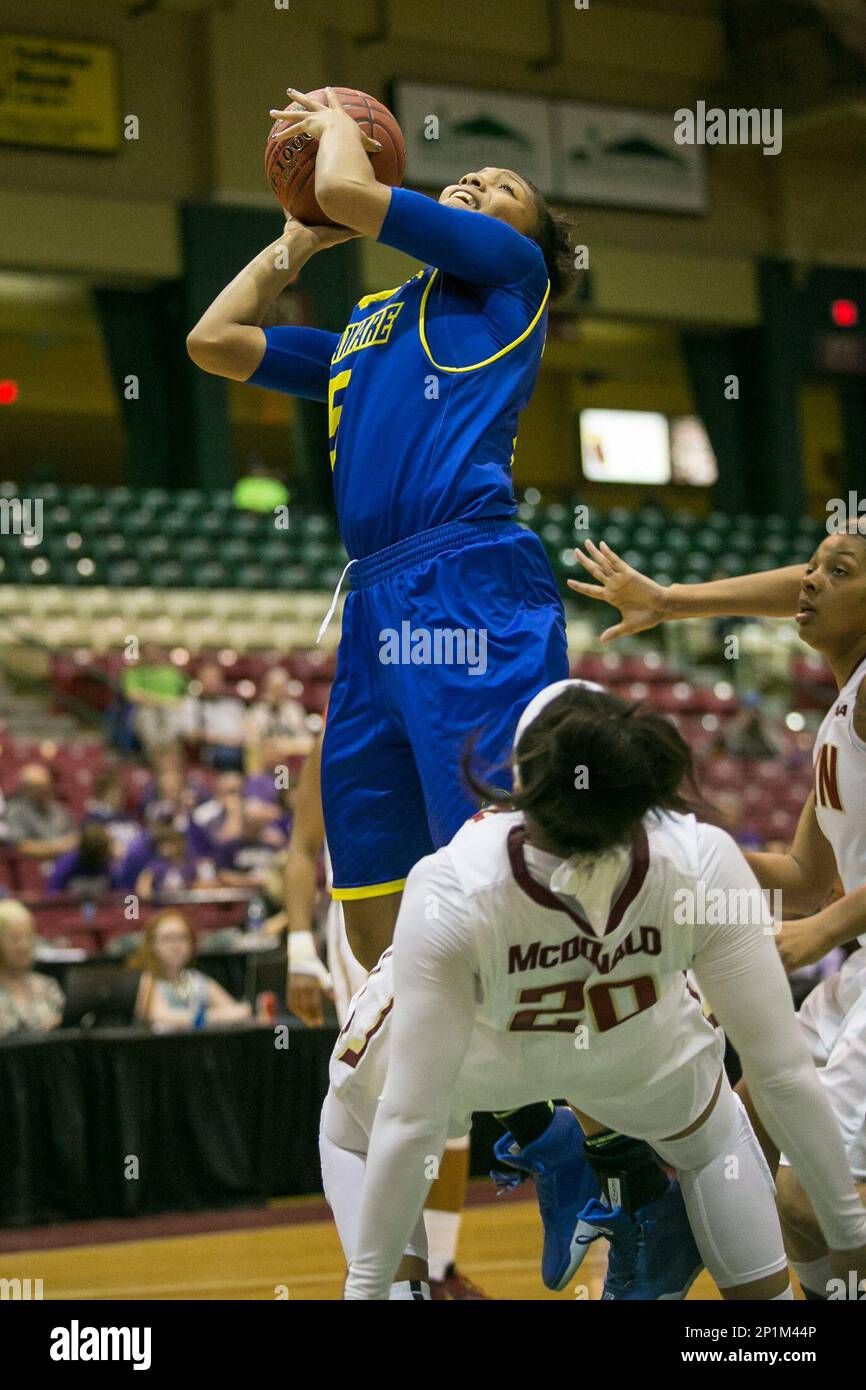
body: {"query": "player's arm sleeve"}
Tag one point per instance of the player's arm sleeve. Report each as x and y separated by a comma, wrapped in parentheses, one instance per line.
(431, 1023)
(740, 973)
(297, 361)
(465, 244)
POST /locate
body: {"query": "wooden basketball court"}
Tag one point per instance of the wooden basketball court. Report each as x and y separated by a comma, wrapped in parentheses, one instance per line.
(296, 1257)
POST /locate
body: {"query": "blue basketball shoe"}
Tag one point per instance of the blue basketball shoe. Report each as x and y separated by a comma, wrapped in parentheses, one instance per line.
(564, 1185)
(653, 1255)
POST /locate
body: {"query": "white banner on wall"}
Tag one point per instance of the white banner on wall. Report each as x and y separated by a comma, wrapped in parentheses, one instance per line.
(451, 130)
(627, 158)
(571, 151)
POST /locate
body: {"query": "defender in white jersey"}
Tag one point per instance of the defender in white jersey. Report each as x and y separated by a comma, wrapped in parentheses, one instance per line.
(542, 952)
(828, 599)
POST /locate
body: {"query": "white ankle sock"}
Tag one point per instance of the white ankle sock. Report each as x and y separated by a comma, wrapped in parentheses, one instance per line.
(410, 1291)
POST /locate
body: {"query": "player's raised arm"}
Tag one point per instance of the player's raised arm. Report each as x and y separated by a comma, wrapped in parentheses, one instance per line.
(643, 603)
(487, 230)
(431, 1023)
(228, 339)
(481, 250)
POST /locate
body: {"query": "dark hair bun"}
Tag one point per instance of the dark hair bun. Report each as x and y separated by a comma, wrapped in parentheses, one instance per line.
(591, 767)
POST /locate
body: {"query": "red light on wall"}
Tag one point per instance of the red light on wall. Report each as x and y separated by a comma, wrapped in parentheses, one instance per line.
(8, 392)
(844, 313)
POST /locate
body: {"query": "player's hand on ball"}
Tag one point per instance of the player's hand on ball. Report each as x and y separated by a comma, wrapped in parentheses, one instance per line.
(305, 998)
(801, 943)
(641, 601)
(315, 117)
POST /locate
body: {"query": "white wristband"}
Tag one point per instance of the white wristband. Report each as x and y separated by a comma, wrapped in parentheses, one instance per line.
(303, 959)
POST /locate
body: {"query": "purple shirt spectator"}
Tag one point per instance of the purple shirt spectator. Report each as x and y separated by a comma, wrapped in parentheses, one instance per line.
(72, 874)
(250, 854)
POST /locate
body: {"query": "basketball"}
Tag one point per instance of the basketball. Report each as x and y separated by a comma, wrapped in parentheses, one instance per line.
(290, 165)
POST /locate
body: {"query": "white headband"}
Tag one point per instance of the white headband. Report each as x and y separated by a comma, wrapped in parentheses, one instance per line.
(589, 878)
(544, 697)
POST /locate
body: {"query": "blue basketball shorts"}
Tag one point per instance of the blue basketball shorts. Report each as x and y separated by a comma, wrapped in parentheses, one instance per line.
(446, 636)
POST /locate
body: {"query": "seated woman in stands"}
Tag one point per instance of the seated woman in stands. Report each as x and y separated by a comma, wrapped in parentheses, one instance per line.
(172, 994)
(29, 1002)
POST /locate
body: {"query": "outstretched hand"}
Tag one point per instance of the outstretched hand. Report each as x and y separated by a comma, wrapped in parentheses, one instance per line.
(642, 602)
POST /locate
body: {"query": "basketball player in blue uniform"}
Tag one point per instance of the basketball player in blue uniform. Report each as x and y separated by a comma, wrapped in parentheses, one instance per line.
(454, 620)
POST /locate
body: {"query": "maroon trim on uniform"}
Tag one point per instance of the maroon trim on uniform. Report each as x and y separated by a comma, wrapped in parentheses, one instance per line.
(545, 898)
(861, 662)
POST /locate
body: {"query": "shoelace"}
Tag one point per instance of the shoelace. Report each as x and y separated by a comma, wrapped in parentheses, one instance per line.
(626, 1248)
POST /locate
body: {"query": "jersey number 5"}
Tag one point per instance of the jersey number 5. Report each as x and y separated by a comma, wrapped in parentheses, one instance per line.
(336, 387)
(610, 1004)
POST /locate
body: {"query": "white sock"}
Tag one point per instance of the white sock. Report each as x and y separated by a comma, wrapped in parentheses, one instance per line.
(786, 1297)
(410, 1291)
(814, 1275)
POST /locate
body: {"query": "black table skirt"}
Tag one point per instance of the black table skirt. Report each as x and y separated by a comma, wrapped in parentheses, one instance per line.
(122, 1123)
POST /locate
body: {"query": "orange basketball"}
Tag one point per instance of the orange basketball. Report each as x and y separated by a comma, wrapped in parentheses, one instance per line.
(290, 165)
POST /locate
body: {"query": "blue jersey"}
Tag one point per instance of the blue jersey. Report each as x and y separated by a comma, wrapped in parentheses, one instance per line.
(426, 382)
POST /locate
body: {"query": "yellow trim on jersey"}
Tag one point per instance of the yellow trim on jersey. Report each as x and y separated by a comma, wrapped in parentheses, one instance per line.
(475, 365)
(380, 294)
(374, 890)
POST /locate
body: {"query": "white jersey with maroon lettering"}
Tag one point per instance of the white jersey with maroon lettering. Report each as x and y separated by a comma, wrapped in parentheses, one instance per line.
(609, 1021)
(833, 1016)
(504, 992)
(840, 785)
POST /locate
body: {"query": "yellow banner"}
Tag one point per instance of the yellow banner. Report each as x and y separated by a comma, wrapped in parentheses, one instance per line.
(58, 94)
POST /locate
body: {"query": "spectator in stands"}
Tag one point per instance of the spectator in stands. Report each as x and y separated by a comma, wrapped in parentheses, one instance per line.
(247, 860)
(107, 807)
(214, 722)
(38, 825)
(276, 725)
(173, 794)
(220, 818)
(170, 866)
(172, 994)
(137, 857)
(88, 870)
(155, 689)
(29, 1002)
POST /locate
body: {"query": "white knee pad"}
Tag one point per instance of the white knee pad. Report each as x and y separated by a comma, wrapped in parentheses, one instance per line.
(729, 1195)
